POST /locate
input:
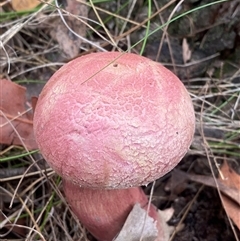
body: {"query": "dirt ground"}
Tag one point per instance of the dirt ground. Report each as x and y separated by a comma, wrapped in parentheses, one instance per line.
(202, 48)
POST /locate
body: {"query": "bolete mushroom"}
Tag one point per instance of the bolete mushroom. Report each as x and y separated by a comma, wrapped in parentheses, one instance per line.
(108, 123)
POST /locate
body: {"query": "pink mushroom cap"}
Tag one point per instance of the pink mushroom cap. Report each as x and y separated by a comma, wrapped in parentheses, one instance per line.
(112, 120)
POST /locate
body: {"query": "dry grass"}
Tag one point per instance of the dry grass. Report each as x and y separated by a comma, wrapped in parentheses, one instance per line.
(32, 206)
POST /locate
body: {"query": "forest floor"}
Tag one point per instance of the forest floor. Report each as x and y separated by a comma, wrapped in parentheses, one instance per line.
(198, 40)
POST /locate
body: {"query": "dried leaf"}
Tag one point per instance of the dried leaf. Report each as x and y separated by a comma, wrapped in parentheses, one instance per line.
(68, 42)
(176, 184)
(15, 120)
(232, 209)
(16, 228)
(165, 216)
(229, 187)
(23, 5)
(186, 52)
(34, 100)
(231, 192)
(232, 180)
(138, 225)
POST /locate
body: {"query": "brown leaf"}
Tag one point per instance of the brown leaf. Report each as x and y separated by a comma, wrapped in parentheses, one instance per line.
(232, 180)
(232, 209)
(16, 228)
(15, 120)
(10, 224)
(186, 52)
(23, 5)
(229, 187)
(69, 43)
(34, 100)
(233, 193)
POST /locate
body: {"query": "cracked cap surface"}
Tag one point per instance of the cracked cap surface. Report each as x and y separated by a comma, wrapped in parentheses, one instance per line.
(106, 123)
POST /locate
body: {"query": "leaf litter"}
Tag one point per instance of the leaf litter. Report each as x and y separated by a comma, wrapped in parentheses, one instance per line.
(225, 124)
(15, 116)
(230, 204)
(140, 226)
(68, 28)
(229, 188)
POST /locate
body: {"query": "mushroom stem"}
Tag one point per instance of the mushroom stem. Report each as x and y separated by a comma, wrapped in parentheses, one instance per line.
(104, 212)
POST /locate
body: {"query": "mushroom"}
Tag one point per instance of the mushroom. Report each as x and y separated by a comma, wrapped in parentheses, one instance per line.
(108, 123)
